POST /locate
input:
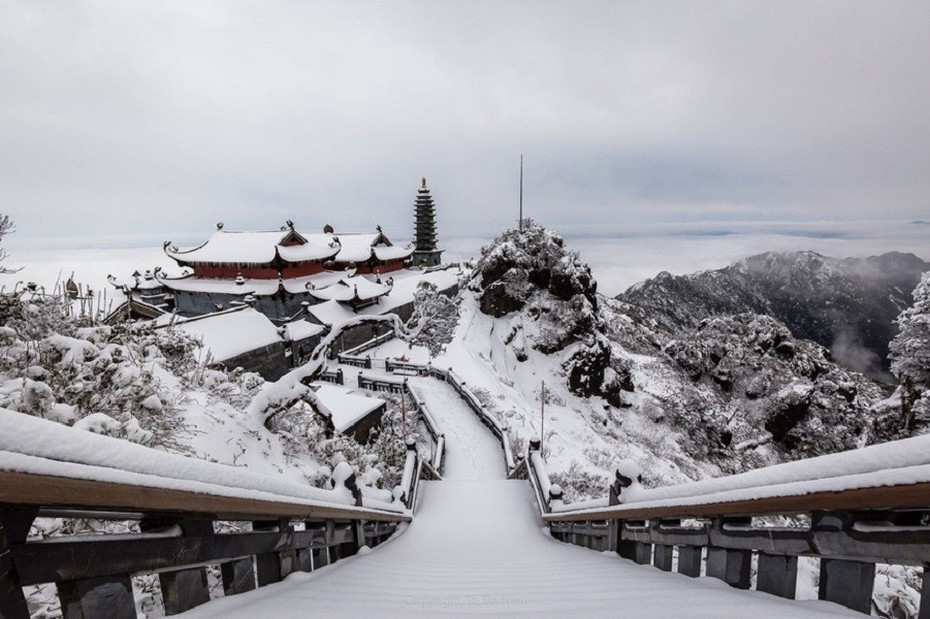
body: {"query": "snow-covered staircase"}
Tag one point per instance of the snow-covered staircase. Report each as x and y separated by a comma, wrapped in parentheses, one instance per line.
(477, 546)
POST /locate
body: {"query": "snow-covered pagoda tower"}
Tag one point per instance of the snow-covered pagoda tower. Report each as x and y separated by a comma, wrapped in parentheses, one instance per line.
(426, 252)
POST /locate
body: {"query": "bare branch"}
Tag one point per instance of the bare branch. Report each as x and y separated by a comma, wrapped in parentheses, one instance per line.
(6, 227)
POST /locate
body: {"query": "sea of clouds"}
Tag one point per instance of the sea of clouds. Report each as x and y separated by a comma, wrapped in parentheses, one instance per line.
(619, 255)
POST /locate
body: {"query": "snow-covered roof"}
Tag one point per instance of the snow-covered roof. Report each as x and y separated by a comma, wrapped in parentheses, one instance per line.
(331, 312)
(349, 288)
(226, 246)
(347, 408)
(232, 332)
(393, 252)
(405, 285)
(302, 329)
(258, 287)
(254, 248)
(354, 247)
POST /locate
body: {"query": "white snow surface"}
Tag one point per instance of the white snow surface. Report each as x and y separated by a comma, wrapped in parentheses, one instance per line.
(251, 247)
(232, 333)
(476, 548)
(345, 406)
(472, 452)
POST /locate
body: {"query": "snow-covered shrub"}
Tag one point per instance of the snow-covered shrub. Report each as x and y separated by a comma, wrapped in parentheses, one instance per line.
(580, 484)
(910, 359)
(434, 318)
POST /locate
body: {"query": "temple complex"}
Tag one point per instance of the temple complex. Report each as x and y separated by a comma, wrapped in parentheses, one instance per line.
(282, 273)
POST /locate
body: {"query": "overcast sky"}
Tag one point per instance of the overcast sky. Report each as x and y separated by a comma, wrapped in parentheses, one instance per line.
(130, 123)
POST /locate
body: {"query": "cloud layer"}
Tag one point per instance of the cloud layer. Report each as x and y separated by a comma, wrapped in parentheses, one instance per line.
(161, 118)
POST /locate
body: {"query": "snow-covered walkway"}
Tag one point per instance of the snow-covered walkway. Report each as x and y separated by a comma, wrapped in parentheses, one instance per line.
(472, 452)
(477, 547)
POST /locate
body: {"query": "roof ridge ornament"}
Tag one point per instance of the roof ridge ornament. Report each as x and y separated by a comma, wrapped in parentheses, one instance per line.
(219, 225)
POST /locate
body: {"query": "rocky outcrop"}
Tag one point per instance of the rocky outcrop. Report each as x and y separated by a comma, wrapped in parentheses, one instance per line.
(848, 306)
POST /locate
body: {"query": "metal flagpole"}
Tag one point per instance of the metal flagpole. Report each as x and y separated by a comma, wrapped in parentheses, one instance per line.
(542, 417)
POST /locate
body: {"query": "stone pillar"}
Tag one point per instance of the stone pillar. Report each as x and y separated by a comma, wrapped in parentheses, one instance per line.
(848, 583)
(238, 576)
(689, 560)
(778, 575)
(184, 589)
(305, 560)
(730, 566)
(268, 564)
(662, 558)
(108, 597)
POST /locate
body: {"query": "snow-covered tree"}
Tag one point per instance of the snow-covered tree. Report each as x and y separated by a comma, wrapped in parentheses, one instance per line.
(6, 227)
(910, 349)
(910, 360)
(434, 318)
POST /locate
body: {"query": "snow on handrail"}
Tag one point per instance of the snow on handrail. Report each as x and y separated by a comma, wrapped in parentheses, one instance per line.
(875, 470)
(499, 429)
(431, 427)
(368, 344)
(44, 451)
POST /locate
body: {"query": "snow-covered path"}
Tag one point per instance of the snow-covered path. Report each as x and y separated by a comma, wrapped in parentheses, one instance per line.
(477, 547)
(472, 452)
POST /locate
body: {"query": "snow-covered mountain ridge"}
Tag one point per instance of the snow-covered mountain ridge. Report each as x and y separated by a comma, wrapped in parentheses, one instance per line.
(723, 394)
(847, 305)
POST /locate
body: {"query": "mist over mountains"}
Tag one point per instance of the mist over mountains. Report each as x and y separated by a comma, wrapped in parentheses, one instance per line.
(847, 305)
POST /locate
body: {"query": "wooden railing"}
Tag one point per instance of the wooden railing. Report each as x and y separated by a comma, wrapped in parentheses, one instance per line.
(863, 507)
(336, 376)
(68, 473)
(432, 428)
(354, 357)
(380, 383)
(500, 430)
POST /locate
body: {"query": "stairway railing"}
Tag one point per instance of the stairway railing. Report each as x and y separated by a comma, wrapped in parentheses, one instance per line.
(864, 507)
(500, 429)
(179, 506)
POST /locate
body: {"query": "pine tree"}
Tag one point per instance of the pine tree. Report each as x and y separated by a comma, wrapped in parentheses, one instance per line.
(910, 349)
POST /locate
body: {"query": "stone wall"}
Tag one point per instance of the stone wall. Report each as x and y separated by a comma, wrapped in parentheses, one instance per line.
(269, 361)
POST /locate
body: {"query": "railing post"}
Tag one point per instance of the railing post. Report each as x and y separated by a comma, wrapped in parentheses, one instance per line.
(187, 588)
(106, 597)
(640, 552)
(14, 529)
(271, 567)
(848, 583)
(662, 555)
(238, 576)
(731, 566)
(689, 560)
(778, 575)
(555, 497)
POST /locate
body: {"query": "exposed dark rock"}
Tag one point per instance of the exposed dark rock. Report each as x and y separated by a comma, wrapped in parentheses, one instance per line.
(848, 306)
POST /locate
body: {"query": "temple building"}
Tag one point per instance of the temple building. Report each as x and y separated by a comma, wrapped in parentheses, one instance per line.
(281, 272)
(284, 273)
(426, 254)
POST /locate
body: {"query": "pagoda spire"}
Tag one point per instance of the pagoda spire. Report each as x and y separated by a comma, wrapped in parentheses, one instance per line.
(427, 253)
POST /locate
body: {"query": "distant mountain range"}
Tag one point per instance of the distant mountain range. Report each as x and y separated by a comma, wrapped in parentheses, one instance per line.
(847, 305)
